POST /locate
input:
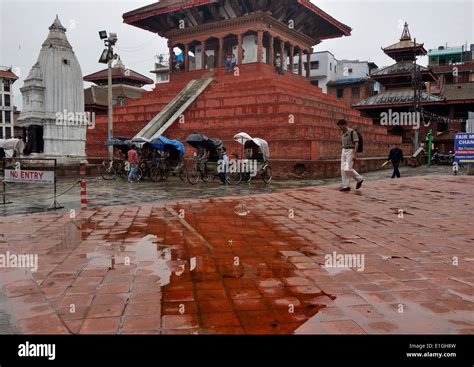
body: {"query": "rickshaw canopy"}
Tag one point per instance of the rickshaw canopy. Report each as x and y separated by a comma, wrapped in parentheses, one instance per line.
(162, 142)
(199, 140)
(247, 141)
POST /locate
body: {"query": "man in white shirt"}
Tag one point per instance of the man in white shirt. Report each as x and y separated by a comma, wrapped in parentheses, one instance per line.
(350, 147)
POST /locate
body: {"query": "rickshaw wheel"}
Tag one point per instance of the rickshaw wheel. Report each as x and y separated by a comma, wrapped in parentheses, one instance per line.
(155, 174)
(234, 178)
(193, 176)
(183, 175)
(247, 178)
(207, 177)
(164, 174)
(107, 171)
(267, 175)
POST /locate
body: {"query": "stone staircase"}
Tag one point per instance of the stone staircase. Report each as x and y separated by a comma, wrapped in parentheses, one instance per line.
(173, 110)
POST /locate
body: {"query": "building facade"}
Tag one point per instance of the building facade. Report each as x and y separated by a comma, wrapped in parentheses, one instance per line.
(326, 68)
(7, 110)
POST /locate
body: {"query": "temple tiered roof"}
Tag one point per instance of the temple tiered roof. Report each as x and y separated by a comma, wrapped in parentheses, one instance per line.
(165, 16)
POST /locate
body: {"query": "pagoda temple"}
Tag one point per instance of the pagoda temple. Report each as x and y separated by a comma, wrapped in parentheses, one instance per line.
(294, 116)
(126, 84)
(399, 82)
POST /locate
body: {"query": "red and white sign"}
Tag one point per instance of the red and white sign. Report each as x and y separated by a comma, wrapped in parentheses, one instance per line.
(29, 177)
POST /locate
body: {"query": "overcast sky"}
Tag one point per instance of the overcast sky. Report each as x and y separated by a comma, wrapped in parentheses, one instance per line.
(375, 23)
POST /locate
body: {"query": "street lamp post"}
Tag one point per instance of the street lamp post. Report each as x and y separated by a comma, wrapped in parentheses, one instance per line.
(108, 57)
(110, 110)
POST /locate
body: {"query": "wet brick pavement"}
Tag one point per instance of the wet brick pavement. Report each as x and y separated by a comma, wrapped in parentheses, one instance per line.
(27, 199)
(252, 264)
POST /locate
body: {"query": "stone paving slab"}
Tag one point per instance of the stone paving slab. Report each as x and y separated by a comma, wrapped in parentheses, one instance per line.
(396, 257)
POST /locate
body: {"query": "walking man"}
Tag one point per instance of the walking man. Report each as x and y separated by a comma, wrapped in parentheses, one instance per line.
(224, 161)
(350, 147)
(134, 161)
(396, 156)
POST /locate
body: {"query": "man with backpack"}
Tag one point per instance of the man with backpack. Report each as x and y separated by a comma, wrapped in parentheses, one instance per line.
(351, 146)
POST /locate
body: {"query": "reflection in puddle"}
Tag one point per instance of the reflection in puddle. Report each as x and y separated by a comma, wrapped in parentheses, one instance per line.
(149, 249)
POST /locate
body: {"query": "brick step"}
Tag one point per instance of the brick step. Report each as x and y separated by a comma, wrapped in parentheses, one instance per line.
(305, 117)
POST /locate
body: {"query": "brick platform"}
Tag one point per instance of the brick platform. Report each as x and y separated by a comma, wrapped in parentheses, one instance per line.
(296, 118)
(253, 264)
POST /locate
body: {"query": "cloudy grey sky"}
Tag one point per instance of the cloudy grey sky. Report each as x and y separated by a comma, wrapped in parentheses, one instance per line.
(376, 23)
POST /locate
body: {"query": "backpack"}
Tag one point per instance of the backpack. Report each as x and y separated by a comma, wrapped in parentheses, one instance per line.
(361, 141)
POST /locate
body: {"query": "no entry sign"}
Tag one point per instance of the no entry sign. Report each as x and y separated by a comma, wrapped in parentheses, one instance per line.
(29, 177)
(464, 148)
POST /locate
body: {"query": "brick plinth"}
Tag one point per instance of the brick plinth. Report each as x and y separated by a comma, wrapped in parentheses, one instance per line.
(295, 117)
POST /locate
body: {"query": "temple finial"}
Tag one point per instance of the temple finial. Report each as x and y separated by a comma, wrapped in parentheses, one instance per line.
(406, 36)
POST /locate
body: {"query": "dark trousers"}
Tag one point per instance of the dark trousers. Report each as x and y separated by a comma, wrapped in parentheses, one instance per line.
(222, 177)
(396, 171)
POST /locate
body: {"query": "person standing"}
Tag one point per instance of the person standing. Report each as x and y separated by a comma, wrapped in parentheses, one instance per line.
(133, 161)
(350, 147)
(278, 66)
(224, 161)
(396, 156)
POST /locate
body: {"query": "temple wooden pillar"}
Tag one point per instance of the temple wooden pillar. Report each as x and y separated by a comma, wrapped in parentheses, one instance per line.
(221, 53)
(282, 55)
(260, 47)
(308, 64)
(186, 57)
(292, 57)
(171, 58)
(300, 63)
(271, 51)
(203, 55)
(240, 50)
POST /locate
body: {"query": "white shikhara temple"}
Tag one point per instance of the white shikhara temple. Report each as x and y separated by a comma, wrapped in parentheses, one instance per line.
(53, 101)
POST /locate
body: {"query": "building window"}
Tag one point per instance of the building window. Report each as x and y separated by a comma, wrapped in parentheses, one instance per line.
(340, 93)
(314, 65)
(7, 100)
(355, 92)
(330, 66)
(6, 85)
(8, 133)
(164, 77)
(8, 117)
(65, 61)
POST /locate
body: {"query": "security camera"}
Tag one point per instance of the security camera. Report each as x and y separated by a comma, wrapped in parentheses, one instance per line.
(103, 35)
